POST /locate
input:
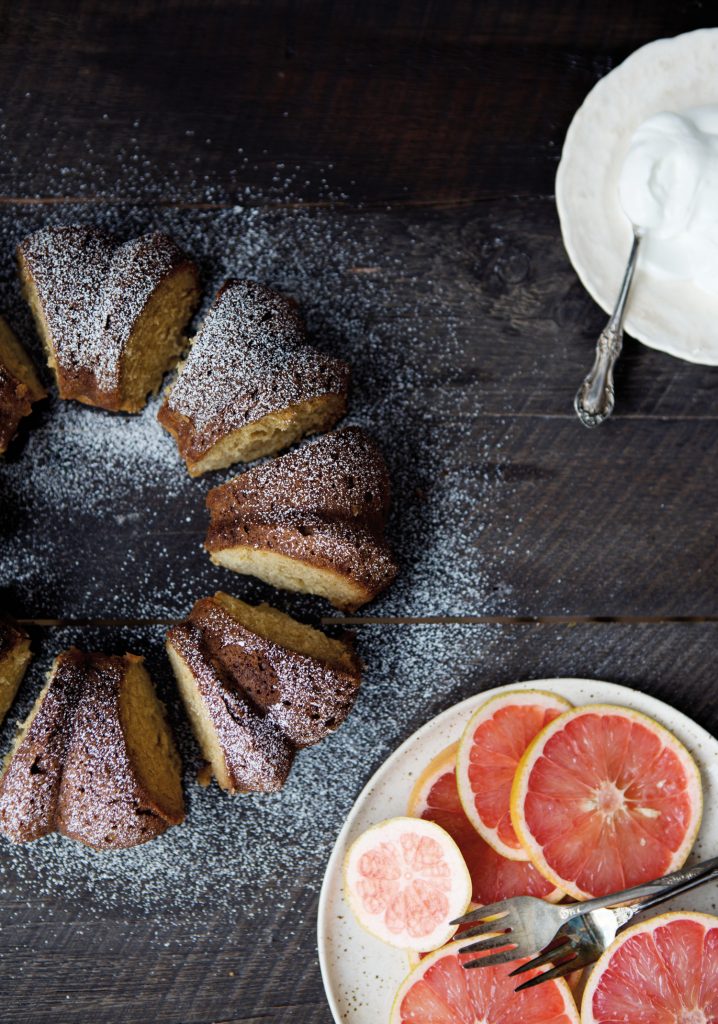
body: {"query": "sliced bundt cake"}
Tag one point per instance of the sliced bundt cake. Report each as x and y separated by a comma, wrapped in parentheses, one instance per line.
(95, 760)
(15, 656)
(251, 385)
(257, 685)
(19, 385)
(311, 520)
(111, 316)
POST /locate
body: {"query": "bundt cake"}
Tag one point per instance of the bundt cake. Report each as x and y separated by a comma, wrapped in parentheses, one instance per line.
(19, 385)
(257, 685)
(111, 316)
(311, 520)
(14, 658)
(95, 759)
(251, 385)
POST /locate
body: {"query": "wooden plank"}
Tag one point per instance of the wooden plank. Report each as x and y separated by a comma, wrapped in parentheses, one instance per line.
(466, 351)
(375, 102)
(183, 933)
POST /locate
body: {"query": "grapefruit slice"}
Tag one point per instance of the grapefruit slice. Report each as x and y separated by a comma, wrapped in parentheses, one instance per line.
(440, 991)
(405, 880)
(605, 798)
(494, 740)
(663, 970)
(435, 798)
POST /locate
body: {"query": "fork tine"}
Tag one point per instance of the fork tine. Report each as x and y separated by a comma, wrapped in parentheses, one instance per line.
(559, 971)
(481, 913)
(485, 928)
(490, 942)
(494, 960)
(546, 957)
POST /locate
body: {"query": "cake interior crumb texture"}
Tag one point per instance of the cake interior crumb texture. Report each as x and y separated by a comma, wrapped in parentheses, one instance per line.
(19, 385)
(257, 684)
(201, 722)
(271, 433)
(282, 629)
(251, 385)
(94, 760)
(15, 656)
(288, 572)
(310, 521)
(111, 317)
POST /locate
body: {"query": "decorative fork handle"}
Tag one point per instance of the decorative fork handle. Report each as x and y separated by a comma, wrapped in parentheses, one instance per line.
(650, 892)
(595, 398)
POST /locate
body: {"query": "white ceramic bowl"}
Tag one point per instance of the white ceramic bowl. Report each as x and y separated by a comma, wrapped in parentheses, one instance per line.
(668, 74)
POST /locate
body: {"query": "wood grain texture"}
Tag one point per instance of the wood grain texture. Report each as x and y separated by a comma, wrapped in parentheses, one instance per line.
(466, 341)
(435, 102)
(78, 956)
(391, 166)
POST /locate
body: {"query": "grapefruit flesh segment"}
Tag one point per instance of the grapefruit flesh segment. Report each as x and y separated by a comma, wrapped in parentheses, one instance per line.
(493, 743)
(440, 991)
(605, 798)
(405, 880)
(435, 798)
(663, 971)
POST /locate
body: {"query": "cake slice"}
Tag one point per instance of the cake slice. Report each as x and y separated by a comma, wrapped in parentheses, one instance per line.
(95, 759)
(20, 386)
(257, 685)
(251, 385)
(15, 656)
(311, 520)
(111, 315)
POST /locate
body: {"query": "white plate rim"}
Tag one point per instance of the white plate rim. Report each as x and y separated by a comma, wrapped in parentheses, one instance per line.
(639, 322)
(664, 713)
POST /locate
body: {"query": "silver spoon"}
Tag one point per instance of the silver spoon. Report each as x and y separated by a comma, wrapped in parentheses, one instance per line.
(595, 399)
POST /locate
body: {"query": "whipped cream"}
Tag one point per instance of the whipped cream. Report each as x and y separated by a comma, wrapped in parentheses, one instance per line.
(668, 187)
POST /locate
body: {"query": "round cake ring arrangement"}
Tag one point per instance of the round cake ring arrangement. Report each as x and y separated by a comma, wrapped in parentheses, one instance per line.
(95, 760)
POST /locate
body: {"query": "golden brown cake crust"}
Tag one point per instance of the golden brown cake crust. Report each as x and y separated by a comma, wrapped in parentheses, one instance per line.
(71, 772)
(11, 638)
(92, 290)
(324, 504)
(15, 656)
(265, 700)
(249, 360)
(17, 395)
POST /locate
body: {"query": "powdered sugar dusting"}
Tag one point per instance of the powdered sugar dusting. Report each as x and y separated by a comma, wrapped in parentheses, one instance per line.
(92, 290)
(116, 487)
(243, 856)
(87, 466)
(249, 359)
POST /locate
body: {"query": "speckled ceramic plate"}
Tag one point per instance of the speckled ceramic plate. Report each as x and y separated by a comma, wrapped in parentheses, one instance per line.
(361, 974)
(668, 74)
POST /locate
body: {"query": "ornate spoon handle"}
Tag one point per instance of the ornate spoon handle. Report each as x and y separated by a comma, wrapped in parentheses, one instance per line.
(594, 400)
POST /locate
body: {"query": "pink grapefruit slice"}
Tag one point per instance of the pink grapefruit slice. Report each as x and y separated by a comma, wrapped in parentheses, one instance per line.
(494, 740)
(440, 991)
(435, 798)
(406, 880)
(662, 971)
(605, 798)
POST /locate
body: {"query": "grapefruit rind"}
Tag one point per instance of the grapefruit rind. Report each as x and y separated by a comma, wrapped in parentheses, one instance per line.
(443, 762)
(427, 962)
(594, 979)
(532, 698)
(457, 898)
(533, 752)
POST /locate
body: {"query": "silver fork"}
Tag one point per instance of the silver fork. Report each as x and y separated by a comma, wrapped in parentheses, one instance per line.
(529, 925)
(584, 938)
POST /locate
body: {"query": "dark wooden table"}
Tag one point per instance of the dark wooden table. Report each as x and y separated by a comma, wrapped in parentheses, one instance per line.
(391, 164)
